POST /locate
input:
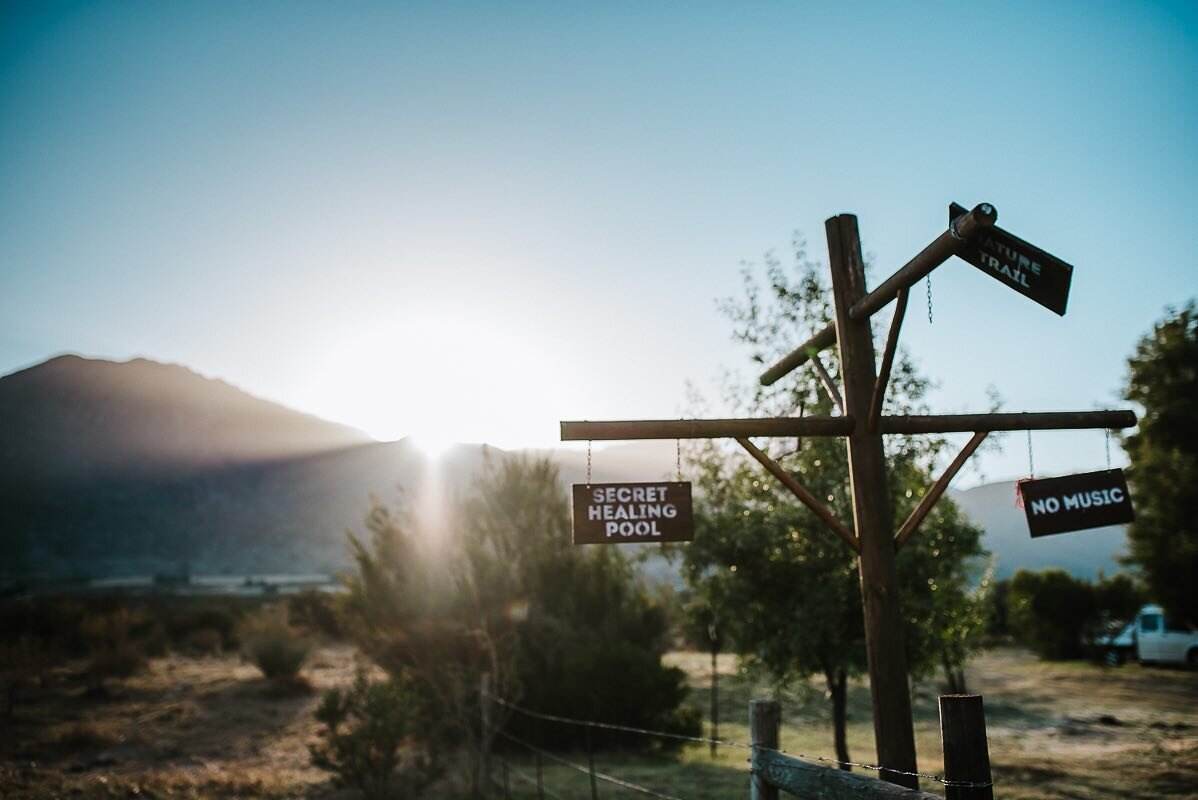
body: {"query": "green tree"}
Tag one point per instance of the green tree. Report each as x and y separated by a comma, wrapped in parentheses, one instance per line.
(370, 739)
(1163, 539)
(505, 592)
(1052, 612)
(408, 611)
(789, 587)
(582, 615)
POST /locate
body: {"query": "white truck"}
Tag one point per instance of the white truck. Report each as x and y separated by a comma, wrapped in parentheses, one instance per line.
(1153, 638)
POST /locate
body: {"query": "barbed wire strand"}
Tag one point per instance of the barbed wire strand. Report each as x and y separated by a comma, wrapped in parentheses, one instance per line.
(635, 787)
(613, 727)
(938, 779)
(728, 743)
(531, 780)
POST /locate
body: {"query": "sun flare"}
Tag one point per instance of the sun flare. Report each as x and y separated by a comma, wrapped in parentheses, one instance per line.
(439, 381)
(432, 443)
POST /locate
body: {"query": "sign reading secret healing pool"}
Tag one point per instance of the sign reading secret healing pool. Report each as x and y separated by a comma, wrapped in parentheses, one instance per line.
(633, 512)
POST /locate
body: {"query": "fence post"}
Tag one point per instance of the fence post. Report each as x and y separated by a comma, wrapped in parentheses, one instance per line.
(591, 766)
(484, 738)
(765, 717)
(966, 754)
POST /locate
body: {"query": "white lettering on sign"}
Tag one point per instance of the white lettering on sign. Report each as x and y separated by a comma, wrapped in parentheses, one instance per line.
(630, 510)
(1013, 265)
(1096, 498)
(632, 529)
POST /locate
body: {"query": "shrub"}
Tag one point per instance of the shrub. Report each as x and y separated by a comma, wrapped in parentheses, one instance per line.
(372, 739)
(111, 651)
(275, 647)
(1051, 612)
(82, 736)
(317, 612)
(204, 642)
(22, 661)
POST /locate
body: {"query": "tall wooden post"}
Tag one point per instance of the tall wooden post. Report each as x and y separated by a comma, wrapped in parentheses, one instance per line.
(893, 728)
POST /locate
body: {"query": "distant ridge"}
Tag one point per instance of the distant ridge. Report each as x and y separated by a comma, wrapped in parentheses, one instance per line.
(78, 420)
(139, 468)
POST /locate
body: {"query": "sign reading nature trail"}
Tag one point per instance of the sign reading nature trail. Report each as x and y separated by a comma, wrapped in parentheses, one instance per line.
(1076, 502)
(633, 512)
(1020, 265)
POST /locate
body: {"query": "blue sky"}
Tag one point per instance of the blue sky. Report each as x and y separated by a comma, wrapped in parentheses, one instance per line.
(474, 220)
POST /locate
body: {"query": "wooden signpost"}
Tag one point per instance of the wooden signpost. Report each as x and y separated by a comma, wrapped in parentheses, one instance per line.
(973, 236)
(614, 513)
(1076, 502)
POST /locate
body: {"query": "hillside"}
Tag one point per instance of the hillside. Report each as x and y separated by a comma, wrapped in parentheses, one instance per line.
(79, 420)
(140, 468)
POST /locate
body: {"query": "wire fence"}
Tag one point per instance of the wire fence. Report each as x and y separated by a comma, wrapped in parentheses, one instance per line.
(539, 715)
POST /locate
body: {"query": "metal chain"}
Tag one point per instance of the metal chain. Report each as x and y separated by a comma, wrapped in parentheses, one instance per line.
(588, 462)
(678, 459)
(1108, 448)
(929, 285)
(1031, 464)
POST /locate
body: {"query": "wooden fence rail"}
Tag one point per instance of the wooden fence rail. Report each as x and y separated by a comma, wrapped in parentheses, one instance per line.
(966, 760)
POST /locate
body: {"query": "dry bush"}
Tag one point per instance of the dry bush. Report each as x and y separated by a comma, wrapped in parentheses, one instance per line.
(81, 735)
(203, 642)
(112, 653)
(273, 645)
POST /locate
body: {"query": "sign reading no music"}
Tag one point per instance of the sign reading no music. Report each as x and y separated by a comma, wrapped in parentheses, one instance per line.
(1076, 502)
(633, 512)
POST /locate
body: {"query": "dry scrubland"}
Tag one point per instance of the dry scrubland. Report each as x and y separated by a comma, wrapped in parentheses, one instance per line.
(211, 727)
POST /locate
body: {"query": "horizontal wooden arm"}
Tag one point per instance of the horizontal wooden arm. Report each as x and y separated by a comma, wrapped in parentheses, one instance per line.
(1022, 421)
(841, 426)
(706, 428)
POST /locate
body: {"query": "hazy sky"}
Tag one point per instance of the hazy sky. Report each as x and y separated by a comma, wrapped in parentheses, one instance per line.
(475, 220)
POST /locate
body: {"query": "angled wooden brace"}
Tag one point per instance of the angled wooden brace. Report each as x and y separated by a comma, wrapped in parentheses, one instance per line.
(805, 497)
(875, 402)
(929, 499)
(828, 384)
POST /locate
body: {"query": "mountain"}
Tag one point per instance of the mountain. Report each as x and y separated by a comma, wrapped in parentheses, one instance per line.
(141, 468)
(78, 420)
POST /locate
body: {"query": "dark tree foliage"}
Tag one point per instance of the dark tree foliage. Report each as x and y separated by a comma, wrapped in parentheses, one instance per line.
(561, 629)
(371, 739)
(1163, 381)
(1052, 612)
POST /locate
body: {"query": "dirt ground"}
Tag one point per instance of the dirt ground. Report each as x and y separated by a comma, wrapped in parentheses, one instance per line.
(185, 728)
(210, 727)
(1080, 730)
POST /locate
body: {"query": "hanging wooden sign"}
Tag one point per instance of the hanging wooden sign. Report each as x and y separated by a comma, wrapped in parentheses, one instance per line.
(1076, 502)
(633, 512)
(1018, 264)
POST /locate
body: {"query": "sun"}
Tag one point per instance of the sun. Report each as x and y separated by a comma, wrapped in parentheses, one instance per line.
(433, 443)
(437, 380)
